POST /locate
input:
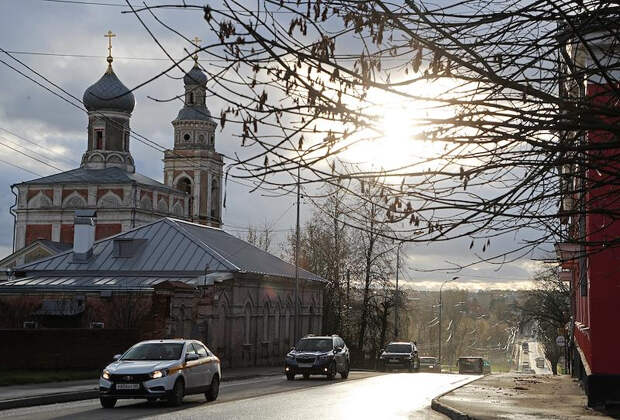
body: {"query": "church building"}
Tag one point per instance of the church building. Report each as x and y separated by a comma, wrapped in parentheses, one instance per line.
(107, 180)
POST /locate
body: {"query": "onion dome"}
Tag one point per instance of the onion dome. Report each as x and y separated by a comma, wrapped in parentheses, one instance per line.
(195, 77)
(109, 93)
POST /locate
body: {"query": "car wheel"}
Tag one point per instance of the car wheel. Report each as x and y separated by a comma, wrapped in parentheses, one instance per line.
(331, 371)
(178, 392)
(345, 373)
(151, 399)
(290, 376)
(306, 376)
(107, 402)
(214, 389)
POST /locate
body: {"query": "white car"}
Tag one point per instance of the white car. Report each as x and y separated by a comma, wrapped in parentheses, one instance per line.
(161, 369)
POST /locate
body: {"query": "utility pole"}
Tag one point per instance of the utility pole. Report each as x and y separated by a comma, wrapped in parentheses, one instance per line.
(296, 327)
(396, 297)
(440, 307)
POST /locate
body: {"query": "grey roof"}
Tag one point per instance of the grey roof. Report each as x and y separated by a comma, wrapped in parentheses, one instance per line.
(109, 93)
(200, 113)
(171, 247)
(243, 254)
(111, 175)
(195, 77)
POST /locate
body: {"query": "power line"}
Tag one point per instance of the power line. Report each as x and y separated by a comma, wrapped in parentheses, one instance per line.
(31, 157)
(20, 167)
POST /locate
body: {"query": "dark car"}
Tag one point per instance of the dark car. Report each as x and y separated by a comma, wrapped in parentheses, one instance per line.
(471, 365)
(400, 355)
(318, 355)
(429, 364)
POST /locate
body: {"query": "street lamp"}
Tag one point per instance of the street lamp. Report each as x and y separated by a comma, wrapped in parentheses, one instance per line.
(440, 306)
(396, 298)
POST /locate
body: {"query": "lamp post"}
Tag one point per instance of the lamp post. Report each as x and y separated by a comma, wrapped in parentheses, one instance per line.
(440, 307)
(396, 297)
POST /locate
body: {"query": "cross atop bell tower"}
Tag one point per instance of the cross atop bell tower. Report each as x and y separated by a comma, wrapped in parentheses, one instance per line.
(110, 35)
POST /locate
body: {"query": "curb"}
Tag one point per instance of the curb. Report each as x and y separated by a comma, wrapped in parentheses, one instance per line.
(62, 397)
(451, 412)
(49, 399)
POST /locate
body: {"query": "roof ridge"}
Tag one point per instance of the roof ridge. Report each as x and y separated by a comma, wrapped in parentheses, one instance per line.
(224, 260)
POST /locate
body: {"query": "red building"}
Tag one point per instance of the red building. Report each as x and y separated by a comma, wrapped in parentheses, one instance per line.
(590, 253)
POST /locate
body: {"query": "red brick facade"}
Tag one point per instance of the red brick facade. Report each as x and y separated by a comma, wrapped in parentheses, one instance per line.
(34, 232)
(107, 229)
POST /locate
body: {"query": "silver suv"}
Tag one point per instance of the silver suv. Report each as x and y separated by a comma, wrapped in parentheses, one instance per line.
(400, 355)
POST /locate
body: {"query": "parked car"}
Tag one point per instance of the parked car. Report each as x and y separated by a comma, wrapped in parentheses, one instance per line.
(471, 364)
(429, 364)
(161, 369)
(400, 355)
(318, 355)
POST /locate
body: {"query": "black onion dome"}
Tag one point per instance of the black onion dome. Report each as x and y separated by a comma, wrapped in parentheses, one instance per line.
(109, 93)
(195, 77)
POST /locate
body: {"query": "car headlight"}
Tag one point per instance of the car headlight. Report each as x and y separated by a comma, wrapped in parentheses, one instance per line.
(105, 374)
(430, 366)
(158, 373)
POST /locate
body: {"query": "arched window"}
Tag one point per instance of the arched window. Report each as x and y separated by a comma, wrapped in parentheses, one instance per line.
(191, 98)
(247, 323)
(215, 199)
(266, 322)
(185, 185)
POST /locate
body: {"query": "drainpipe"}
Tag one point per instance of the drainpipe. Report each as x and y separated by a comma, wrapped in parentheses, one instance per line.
(12, 211)
(135, 204)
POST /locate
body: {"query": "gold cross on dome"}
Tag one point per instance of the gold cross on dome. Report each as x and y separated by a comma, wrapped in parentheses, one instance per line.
(110, 35)
(197, 44)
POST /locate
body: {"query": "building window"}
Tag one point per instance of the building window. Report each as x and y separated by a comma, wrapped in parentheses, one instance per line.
(191, 98)
(186, 137)
(99, 139)
(126, 142)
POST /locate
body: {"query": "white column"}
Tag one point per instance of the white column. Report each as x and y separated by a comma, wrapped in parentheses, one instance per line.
(57, 199)
(197, 189)
(56, 231)
(92, 196)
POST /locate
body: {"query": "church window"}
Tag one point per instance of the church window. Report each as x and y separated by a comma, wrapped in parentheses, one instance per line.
(191, 98)
(185, 185)
(126, 142)
(99, 139)
(201, 138)
(247, 324)
(186, 137)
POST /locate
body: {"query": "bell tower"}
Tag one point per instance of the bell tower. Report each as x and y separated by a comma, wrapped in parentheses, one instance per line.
(193, 166)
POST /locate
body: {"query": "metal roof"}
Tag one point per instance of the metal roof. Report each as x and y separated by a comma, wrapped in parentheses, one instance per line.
(243, 254)
(168, 248)
(89, 283)
(111, 175)
(109, 93)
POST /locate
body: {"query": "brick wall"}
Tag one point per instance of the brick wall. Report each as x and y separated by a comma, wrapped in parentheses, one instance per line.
(63, 348)
(34, 232)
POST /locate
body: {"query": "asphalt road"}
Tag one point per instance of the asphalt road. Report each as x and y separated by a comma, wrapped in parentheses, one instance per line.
(365, 395)
(535, 351)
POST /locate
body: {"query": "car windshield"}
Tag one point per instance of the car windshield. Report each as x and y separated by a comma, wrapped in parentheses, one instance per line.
(154, 351)
(314, 344)
(427, 360)
(398, 348)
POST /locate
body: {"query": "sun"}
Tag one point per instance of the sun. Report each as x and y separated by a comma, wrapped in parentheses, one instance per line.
(396, 140)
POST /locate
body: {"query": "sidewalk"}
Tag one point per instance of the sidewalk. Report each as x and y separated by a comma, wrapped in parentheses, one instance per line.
(56, 392)
(518, 396)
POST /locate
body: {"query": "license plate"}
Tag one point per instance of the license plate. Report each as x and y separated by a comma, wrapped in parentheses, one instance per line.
(304, 365)
(394, 360)
(127, 386)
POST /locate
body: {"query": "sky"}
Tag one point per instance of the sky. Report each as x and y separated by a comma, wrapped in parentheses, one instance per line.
(64, 41)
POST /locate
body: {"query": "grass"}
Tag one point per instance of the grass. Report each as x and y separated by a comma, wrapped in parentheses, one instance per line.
(34, 376)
